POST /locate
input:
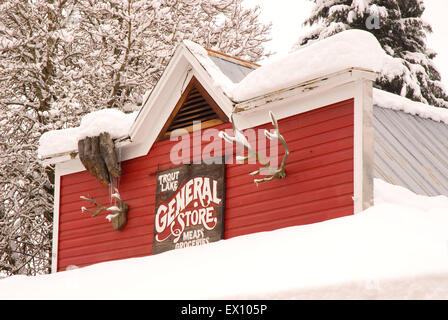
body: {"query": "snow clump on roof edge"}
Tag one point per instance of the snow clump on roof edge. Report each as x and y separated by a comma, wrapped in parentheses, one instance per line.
(113, 121)
(392, 101)
(347, 49)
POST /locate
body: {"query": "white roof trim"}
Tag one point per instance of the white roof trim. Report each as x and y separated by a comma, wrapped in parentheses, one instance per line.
(306, 88)
(159, 104)
(164, 97)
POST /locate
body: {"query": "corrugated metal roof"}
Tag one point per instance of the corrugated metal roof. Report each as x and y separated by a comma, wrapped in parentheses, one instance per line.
(411, 151)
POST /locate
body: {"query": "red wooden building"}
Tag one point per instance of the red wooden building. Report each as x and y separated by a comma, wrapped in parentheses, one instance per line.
(326, 122)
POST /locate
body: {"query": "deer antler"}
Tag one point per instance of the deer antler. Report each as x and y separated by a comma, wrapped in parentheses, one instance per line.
(239, 138)
(118, 211)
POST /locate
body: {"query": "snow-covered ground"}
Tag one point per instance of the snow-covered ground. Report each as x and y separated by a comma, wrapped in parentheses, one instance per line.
(397, 249)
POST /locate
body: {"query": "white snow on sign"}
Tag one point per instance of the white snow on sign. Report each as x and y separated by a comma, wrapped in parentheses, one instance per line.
(113, 121)
(397, 249)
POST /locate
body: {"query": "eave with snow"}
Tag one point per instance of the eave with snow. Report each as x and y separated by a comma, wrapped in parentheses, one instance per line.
(301, 83)
(192, 61)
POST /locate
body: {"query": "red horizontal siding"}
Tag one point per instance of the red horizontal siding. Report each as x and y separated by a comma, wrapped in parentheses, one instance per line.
(318, 186)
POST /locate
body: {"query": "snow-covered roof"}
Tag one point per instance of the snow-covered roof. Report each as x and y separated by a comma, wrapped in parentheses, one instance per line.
(234, 81)
(114, 121)
(396, 249)
(348, 49)
(345, 50)
(392, 101)
(237, 81)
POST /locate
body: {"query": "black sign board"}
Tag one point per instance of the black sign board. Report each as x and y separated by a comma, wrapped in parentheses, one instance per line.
(189, 206)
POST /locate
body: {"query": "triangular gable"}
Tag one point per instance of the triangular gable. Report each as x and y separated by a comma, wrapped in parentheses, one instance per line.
(191, 69)
(194, 105)
(185, 74)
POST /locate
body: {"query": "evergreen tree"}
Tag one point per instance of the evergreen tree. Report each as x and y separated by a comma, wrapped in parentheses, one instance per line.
(401, 31)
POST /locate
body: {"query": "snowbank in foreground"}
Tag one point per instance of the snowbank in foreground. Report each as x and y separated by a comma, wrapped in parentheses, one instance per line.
(397, 249)
(113, 121)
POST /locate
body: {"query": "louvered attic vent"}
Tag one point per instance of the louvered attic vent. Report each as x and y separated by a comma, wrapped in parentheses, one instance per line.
(194, 105)
(195, 108)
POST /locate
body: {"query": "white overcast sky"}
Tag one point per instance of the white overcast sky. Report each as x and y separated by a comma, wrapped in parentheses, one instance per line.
(287, 17)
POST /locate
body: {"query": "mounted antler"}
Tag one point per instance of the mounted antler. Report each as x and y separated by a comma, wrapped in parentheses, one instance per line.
(281, 171)
(98, 155)
(271, 172)
(118, 211)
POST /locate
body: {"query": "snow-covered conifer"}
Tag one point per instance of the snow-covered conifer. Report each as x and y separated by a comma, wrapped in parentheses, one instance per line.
(400, 29)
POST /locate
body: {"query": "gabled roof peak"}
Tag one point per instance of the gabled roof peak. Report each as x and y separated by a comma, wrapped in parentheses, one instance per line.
(231, 82)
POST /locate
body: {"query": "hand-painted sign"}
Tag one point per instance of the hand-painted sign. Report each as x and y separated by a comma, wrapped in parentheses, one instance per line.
(189, 206)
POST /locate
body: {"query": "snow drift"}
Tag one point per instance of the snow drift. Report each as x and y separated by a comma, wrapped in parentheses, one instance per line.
(397, 249)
